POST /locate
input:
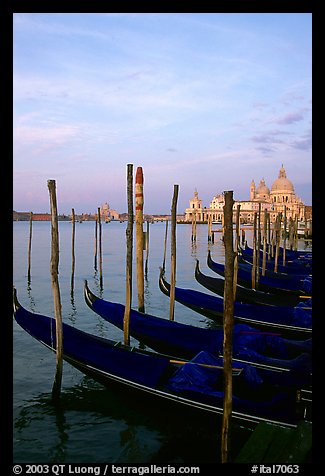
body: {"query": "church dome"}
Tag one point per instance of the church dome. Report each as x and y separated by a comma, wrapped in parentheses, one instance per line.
(262, 189)
(282, 183)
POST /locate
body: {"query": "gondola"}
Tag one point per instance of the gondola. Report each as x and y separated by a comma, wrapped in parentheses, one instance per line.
(275, 285)
(290, 270)
(295, 322)
(196, 385)
(279, 276)
(185, 341)
(248, 295)
(294, 256)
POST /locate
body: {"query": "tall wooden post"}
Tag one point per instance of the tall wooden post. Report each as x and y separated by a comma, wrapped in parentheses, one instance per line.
(284, 236)
(209, 227)
(129, 254)
(95, 243)
(30, 244)
(193, 237)
(72, 251)
(56, 389)
(269, 237)
(243, 237)
(258, 245)
(264, 242)
(165, 246)
(222, 226)
(277, 241)
(254, 281)
(291, 233)
(295, 233)
(139, 236)
(228, 322)
(237, 246)
(173, 254)
(147, 250)
(100, 250)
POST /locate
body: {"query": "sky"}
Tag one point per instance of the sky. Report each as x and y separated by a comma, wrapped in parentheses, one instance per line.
(207, 101)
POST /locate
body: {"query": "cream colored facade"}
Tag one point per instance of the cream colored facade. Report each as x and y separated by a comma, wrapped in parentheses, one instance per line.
(281, 197)
(107, 214)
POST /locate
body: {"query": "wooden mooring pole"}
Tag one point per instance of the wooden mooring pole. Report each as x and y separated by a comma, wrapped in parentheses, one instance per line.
(269, 247)
(73, 262)
(129, 254)
(56, 389)
(173, 254)
(284, 236)
(228, 322)
(258, 246)
(193, 236)
(147, 250)
(277, 241)
(95, 243)
(264, 241)
(165, 246)
(30, 244)
(210, 234)
(254, 280)
(100, 251)
(237, 246)
(139, 236)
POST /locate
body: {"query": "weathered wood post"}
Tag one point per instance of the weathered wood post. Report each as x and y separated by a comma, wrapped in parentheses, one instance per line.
(269, 249)
(296, 233)
(209, 227)
(284, 236)
(254, 280)
(100, 250)
(243, 237)
(258, 245)
(277, 241)
(95, 243)
(129, 254)
(193, 237)
(139, 236)
(173, 254)
(72, 250)
(30, 244)
(264, 241)
(165, 246)
(291, 233)
(228, 321)
(147, 250)
(237, 246)
(222, 226)
(56, 389)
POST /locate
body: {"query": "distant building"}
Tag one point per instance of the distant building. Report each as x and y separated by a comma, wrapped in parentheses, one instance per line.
(281, 196)
(107, 214)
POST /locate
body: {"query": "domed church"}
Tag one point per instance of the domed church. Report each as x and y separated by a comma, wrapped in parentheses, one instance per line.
(282, 193)
(281, 197)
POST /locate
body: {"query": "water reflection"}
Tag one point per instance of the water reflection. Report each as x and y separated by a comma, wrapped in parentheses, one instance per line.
(97, 417)
(73, 313)
(193, 249)
(98, 283)
(110, 427)
(30, 296)
(57, 452)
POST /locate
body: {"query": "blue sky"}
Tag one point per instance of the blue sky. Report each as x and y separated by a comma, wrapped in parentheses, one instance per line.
(208, 101)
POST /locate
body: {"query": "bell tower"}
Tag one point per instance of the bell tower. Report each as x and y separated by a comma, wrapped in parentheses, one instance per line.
(252, 191)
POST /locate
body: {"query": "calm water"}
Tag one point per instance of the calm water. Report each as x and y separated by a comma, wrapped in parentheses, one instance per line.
(95, 425)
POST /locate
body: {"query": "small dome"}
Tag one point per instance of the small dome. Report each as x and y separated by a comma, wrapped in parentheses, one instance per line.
(282, 183)
(262, 189)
